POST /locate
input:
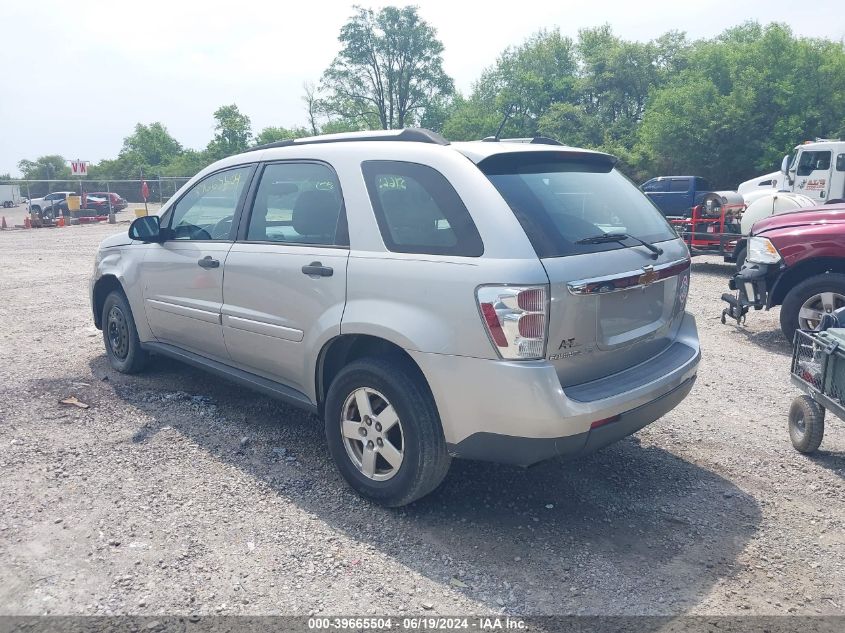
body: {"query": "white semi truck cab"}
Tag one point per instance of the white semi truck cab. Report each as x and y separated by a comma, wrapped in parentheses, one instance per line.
(816, 169)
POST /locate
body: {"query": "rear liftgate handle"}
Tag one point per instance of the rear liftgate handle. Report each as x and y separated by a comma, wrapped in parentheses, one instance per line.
(316, 269)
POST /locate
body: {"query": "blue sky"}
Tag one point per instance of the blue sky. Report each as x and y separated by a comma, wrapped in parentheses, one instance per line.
(103, 66)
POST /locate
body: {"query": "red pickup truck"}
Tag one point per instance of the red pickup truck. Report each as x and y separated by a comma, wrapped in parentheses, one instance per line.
(797, 261)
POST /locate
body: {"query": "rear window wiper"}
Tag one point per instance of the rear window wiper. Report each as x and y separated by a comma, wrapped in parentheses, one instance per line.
(619, 237)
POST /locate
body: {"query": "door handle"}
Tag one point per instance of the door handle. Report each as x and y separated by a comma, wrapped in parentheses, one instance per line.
(209, 262)
(318, 270)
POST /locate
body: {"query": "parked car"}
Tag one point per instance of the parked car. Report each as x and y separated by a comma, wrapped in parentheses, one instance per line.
(91, 202)
(53, 204)
(117, 202)
(675, 196)
(489, 300)
(795, 260)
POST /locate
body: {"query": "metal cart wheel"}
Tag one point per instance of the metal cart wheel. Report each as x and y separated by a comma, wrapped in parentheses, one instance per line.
(806, 424)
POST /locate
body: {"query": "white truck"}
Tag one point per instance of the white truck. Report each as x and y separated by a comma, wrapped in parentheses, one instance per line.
(815, 169)
(10, 196)
(813, 174)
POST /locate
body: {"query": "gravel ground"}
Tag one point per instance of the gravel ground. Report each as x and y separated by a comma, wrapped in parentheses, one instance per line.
(177, 492)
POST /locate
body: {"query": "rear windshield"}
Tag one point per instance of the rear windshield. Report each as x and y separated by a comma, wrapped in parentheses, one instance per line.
(562, 198)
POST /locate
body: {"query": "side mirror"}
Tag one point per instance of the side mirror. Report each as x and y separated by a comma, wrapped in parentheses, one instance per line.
(784, 165)
(147, 228)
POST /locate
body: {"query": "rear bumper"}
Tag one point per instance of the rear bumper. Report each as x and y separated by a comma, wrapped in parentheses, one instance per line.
(525, 451)
(518, 412)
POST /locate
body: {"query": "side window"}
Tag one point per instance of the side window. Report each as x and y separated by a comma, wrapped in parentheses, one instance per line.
(206, 211)
(418, 211)
(813, 161)
(656, 186)
(840, 162)
(298, 203)
(679, 185)
(702, 184)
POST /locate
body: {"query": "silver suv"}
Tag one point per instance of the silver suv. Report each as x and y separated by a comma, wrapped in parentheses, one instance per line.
(507, 301)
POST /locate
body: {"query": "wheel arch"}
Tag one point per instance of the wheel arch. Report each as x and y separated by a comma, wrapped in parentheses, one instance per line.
(801, 272)
(345, 348)
(103, 286)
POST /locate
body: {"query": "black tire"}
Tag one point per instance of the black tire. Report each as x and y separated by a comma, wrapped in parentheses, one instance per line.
(120, 335)
(740, 258)
(795, 298)
(806, 424)
(425, 461)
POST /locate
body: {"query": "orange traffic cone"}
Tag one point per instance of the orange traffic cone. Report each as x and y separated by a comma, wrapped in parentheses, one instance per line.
(27, 223)
(3, 226)
(61, 221)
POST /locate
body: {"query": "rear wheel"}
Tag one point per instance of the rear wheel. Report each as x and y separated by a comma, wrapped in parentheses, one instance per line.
(120, 336)
(384, 432)
(806, 424)
(804, 305)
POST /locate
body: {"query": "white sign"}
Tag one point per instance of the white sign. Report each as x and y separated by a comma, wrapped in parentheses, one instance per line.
(79, 167)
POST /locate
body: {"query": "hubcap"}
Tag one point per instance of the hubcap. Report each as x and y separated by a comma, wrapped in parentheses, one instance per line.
(817, 306)
(118, 333)
(372, 434)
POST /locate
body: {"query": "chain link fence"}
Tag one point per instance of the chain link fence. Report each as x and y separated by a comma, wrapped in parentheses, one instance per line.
(161, 189)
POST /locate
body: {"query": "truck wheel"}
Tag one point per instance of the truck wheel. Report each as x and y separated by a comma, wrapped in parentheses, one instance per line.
(384, 432)
(120, 336)
(806, 424)
(805, 304)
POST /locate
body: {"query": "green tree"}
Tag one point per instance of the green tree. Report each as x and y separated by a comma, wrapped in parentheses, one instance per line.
(273, 134)
(50, 167)
(389, 70)
(744, 100)
(232, 133)
(151, 145)
(188, 163)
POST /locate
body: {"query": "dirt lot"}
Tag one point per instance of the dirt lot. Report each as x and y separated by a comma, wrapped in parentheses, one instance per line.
(176, 492)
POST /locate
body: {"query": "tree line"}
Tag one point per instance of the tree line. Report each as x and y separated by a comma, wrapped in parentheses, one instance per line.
(726, 108)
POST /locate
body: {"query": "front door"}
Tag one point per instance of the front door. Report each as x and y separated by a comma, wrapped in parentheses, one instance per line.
(812, 177)
(183, 276)
(285, 284)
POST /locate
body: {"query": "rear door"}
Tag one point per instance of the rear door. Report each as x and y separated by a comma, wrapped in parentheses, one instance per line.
(679, 198)
(614, 304)
(285, 283)
(183, 276)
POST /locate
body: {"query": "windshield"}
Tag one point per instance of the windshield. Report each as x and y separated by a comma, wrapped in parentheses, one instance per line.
(561, 199)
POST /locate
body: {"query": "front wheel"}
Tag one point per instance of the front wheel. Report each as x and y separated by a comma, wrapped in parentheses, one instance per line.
(806, 424)
(806, 304)
(120, 335)
(384, 432)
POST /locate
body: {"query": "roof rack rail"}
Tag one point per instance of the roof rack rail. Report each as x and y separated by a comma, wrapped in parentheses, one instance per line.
(408, 134)
(533, 140)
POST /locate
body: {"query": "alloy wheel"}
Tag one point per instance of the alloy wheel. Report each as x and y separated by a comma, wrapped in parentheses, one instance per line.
(372, 434)
(816, 307)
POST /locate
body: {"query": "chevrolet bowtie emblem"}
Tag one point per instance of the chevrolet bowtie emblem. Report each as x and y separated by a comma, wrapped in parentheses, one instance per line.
(648, 277)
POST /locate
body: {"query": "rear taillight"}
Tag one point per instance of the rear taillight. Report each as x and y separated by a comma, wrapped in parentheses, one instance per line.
(683, 290)
(515, 318)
